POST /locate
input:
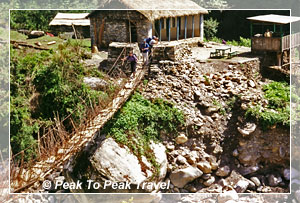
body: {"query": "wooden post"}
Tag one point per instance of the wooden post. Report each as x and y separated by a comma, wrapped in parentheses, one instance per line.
(281, 32)
(193, 26)
(185, 24)
(169, 29)
(274, 28)
(74, 30)
(177, 34)
(201, 27)
(279, 58)
(129, 31)
(160, 29)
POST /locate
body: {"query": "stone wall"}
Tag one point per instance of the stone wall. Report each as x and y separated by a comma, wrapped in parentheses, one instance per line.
(81, 31)
(174, 50)
(116, 27)
(115, 49)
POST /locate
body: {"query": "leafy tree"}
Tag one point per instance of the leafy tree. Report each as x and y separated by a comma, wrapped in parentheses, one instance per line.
(211, 28)
(35, 19)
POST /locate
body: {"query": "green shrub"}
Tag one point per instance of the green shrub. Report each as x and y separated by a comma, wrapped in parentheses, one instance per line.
(211, 28)
(140, 121)
(45, 85)
(277, 111)
(242, 42)
(246, 42)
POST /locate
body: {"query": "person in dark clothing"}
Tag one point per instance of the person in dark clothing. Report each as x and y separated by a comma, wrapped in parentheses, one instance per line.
(145, 50)
(133, 61)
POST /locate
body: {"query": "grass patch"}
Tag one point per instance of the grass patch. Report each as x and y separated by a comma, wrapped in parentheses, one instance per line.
(246, 42)
(277, 112)
(140, 121)
(83, 43)
(14, 35)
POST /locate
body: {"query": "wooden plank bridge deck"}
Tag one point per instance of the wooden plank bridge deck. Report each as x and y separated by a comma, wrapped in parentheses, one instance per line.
(37, 173)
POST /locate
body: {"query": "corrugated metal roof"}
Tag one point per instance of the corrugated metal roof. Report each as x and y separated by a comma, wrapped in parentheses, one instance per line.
(71, 18)
(277, 19)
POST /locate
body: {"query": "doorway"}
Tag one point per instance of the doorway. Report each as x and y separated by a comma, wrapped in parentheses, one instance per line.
(133, 32)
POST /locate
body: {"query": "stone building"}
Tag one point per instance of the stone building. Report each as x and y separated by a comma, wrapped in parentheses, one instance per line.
(67, 22)
(135, 24)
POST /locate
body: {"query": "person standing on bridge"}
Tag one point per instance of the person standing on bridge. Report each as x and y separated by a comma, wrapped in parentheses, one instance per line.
(133, 61)
(145, 50)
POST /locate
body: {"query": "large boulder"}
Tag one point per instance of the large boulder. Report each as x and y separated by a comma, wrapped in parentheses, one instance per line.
(118, 164)
(36, 34)
(181, 177)
(95, 83)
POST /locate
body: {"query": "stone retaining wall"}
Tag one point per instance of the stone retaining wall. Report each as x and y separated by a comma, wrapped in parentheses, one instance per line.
(174, 50)
(115, 49)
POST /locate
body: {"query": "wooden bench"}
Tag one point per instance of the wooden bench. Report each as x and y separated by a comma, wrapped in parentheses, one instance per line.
(214, 54)
(232, 54)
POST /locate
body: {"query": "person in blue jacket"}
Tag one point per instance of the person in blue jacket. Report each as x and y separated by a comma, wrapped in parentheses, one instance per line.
(145, 50)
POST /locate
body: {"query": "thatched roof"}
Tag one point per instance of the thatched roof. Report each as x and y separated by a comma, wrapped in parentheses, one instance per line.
(156, 9)
(68, 19)
(276, 19)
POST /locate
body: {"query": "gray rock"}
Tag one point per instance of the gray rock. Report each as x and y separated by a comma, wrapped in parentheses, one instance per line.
(204, 166)
(273, 180)
(252, 185)
(181, 160)
(115, 162)
(210, 181)
(191, 188)
(206, 176)
(256, 181)
(249, 128)
(248, 170)
(241, 186)
(235, 153)
(251, 83)
(181, 139)
(223, 171)
(287, 174)
(95, 83)
(181, 177)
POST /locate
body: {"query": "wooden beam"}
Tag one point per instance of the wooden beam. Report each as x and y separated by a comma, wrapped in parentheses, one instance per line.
(201, 27)
(193, 26)
(178, 22)
(185, 25)
(160, 29)
(74, 31)
(169, 29)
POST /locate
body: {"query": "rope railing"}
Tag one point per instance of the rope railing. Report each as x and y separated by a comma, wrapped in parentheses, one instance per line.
(59, 145)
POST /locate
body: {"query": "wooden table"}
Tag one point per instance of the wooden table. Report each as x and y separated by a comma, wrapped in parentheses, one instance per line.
(222, 50)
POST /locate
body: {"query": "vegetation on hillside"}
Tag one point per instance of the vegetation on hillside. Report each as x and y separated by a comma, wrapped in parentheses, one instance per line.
(47, 85)
(211, 28)
(35, 19)
(277, 111)
(141, 121)
(246, 42)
